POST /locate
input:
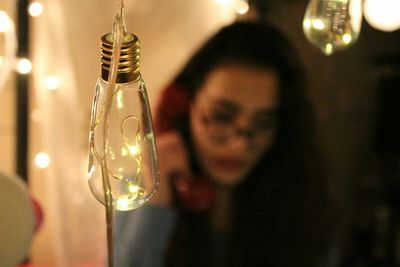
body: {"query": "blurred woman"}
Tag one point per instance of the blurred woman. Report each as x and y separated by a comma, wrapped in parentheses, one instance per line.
(241, 181)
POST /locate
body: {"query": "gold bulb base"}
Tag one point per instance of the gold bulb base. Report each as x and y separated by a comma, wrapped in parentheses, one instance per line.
(128, 66)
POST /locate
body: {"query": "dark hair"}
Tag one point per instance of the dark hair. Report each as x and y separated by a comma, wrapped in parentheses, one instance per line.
(278, 209)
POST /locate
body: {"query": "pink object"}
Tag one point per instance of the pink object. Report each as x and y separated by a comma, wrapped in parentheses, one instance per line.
(39, 215)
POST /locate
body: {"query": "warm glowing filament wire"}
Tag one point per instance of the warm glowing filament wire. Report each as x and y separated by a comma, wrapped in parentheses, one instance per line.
(117, 36)
(137, 156)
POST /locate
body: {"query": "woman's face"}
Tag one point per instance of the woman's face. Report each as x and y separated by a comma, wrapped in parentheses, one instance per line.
(233, 121)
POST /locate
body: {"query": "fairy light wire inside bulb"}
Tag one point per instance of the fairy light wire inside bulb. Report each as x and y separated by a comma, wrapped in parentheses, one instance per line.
(119, 31)
(133, 149)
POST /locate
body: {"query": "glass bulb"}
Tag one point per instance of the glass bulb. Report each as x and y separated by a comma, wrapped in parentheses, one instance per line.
(332, 25)
(130, 150)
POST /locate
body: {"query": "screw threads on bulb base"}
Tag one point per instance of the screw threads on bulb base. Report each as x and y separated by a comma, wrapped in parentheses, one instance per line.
(128, 66)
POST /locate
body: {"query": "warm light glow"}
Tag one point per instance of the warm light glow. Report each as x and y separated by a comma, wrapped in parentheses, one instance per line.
(5, 24)
(134, 150)
(318, 24)
(42, 160)
(35, 9)
(123, 202)
(133, 188)
(24, 66)
(383, 15)
(120, 99)
(52, 82)
(346, 38)
(8, 47)
(307, 23)
(328, 49)
(355, 12)
(242, 7)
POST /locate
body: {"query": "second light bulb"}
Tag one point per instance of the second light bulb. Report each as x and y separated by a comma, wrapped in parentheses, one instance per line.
(332, 25)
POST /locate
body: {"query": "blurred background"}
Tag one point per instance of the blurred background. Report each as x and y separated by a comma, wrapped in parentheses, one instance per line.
(45, 103)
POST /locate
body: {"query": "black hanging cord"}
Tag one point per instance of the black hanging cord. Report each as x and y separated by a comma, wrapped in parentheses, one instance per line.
(22, 94)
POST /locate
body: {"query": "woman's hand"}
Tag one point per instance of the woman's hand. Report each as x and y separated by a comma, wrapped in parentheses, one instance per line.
(173, 161)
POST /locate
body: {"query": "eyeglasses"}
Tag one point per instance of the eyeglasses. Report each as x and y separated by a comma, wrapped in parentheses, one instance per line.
(222, 125)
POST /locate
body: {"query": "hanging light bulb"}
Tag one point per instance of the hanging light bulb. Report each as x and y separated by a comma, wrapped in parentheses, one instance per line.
(123, 167)
(332, 25)
(8, 47)
(383, 15)
(122, 142)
